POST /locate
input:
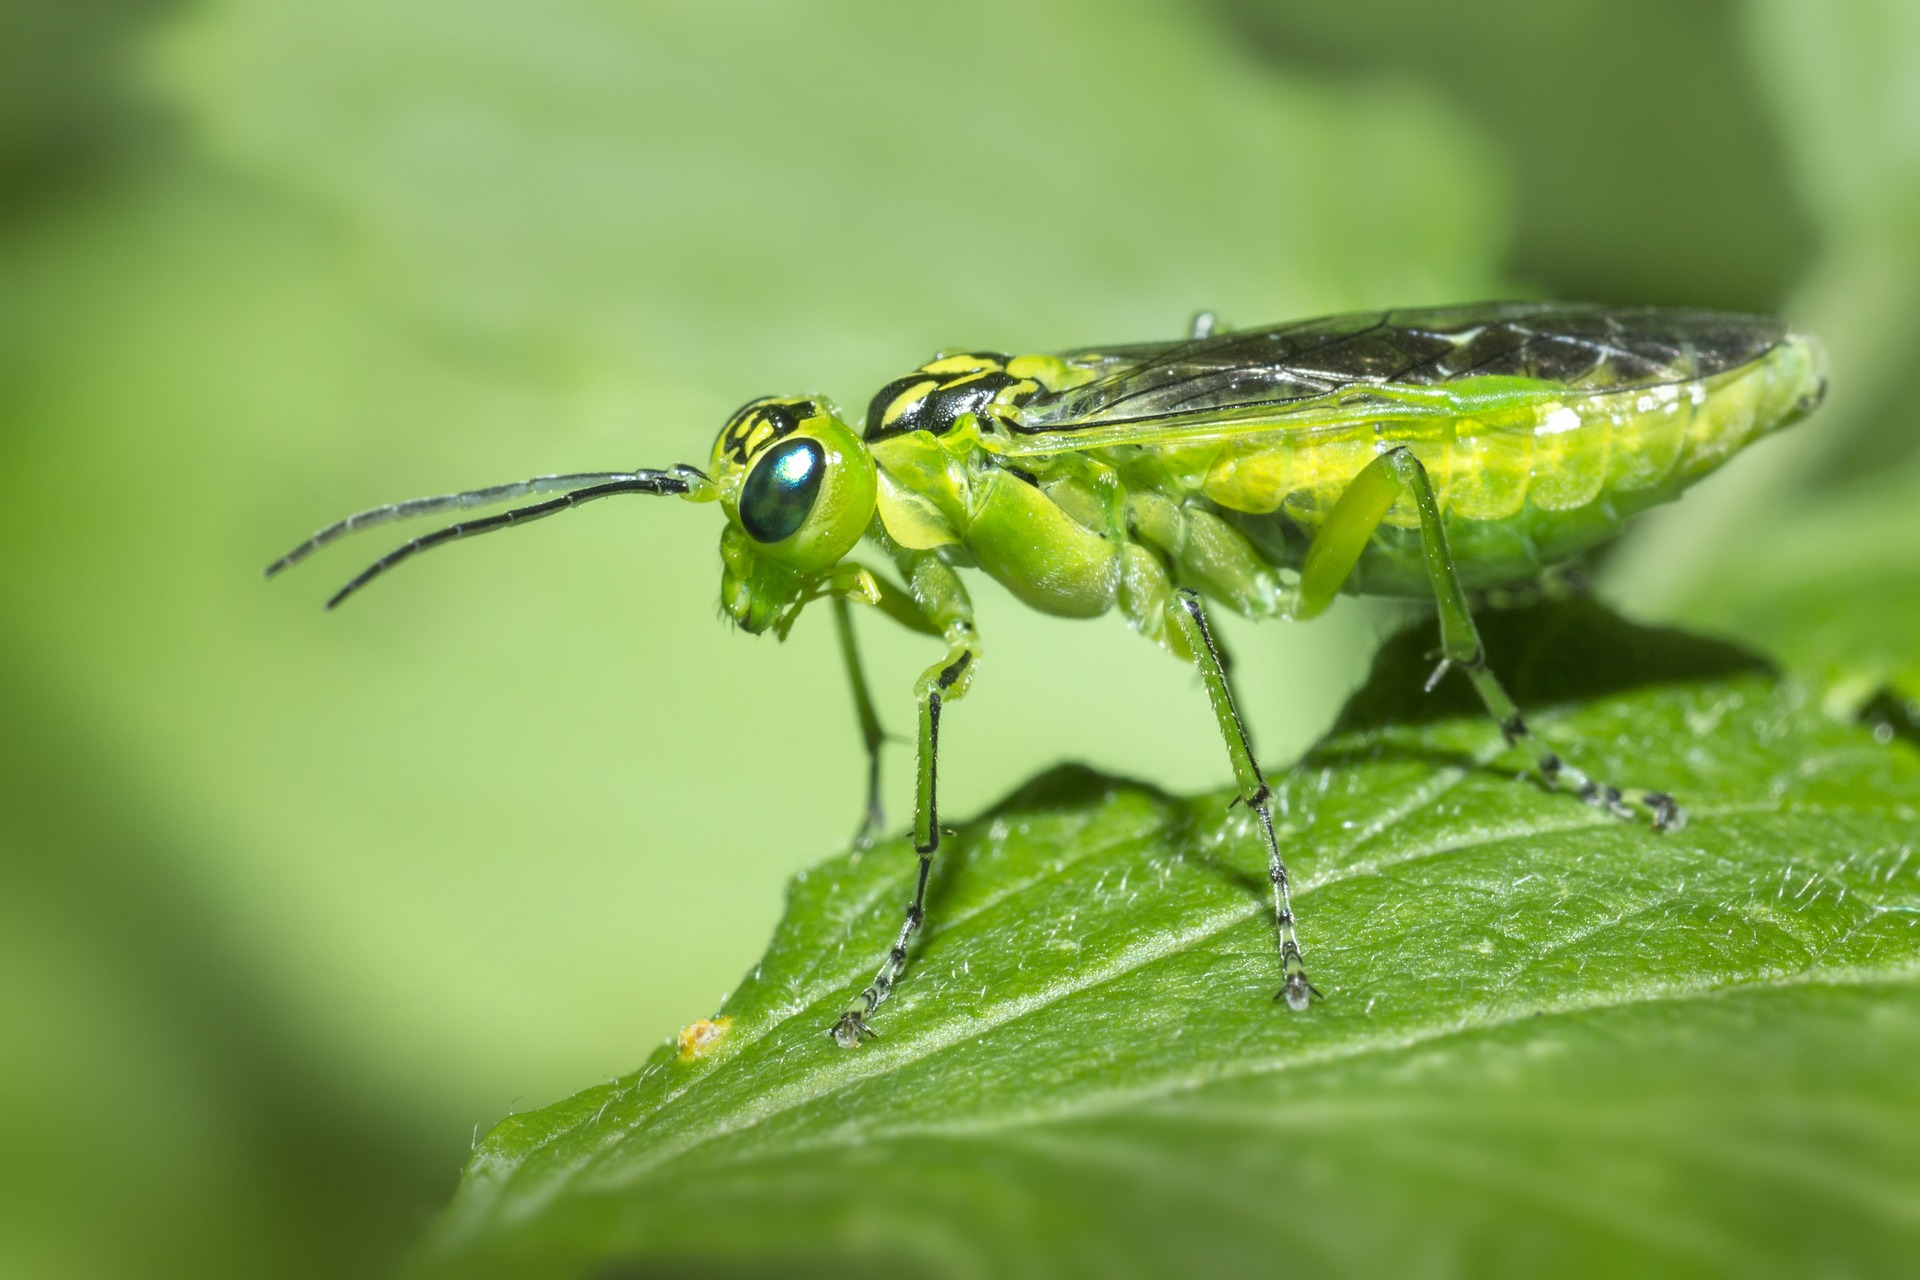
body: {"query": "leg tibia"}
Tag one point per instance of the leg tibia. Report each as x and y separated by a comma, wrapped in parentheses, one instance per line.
(1190, 617)
(941, 683)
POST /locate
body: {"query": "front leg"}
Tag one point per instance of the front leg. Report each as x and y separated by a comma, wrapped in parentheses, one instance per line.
(937, 590)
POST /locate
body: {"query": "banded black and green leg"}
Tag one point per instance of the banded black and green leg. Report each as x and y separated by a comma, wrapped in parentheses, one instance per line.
(873, 820)
(1191, 618)
(939, 595)
(1336, 548)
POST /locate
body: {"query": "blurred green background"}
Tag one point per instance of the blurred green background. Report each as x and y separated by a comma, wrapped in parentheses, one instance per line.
(293, 903)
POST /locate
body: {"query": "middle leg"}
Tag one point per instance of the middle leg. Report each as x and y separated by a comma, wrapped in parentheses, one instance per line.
(1191, 617)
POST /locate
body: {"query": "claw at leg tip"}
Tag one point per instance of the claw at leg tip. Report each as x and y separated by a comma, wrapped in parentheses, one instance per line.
(1298, 993)
(851, 1031)
(1667, 814)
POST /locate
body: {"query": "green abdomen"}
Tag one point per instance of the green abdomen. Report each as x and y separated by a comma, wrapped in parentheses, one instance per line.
(1526, 479)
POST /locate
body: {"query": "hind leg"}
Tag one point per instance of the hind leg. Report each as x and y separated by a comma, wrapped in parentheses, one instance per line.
(1336, 549)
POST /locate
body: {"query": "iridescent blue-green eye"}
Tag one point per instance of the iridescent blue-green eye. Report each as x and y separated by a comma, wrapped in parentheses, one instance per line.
(780, 491)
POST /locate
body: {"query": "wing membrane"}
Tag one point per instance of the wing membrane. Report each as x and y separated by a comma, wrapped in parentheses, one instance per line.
(1263, 379)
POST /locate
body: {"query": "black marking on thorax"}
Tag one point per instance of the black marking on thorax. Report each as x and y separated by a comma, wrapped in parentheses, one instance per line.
(928, 401)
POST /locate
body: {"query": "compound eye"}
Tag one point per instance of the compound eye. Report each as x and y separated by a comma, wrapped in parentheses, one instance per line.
(780, 491)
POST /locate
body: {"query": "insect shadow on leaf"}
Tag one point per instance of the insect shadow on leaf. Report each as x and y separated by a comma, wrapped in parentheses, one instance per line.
(1562, 651)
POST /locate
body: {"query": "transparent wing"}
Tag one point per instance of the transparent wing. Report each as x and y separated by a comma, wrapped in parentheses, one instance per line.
(1256, 378)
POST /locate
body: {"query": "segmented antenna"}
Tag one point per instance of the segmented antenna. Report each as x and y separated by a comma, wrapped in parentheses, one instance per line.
(453, 502)
(653, 482)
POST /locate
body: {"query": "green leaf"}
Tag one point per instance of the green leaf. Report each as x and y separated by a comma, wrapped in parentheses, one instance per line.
(1552, 1042)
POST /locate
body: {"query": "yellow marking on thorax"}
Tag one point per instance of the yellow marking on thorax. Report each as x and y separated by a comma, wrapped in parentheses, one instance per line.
(904, 402)
(961, 364)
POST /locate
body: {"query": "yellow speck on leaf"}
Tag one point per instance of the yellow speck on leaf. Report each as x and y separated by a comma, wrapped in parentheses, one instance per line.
(697, 1039)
